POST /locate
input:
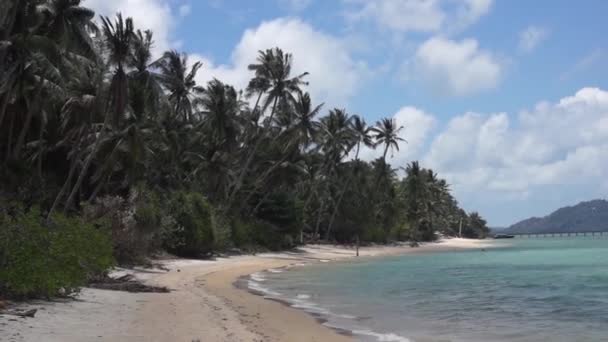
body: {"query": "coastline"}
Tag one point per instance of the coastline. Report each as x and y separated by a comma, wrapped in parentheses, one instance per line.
(204, 303)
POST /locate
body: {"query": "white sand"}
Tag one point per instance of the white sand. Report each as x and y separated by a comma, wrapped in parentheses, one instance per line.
(204, 305)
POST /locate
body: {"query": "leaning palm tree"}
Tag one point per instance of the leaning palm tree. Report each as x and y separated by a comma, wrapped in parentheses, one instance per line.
(305, 127)
(386, 133)
(146, 93)
(272, 78)
(180, 82)
(337, 140)
(118, 37)
(71, 26)
(363, 134)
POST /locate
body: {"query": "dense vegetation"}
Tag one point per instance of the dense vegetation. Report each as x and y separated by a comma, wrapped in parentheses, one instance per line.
(590, 216)
(97, 133)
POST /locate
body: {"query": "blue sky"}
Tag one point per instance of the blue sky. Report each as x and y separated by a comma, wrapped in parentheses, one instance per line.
(506, 99)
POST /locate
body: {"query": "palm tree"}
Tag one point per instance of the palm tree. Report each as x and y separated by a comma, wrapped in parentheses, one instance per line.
(362, 133)
(146, 93)
(387, 134)
(273, 78)
(337, 140)
(71, 26)
(305, 128)
(118, 38)
(180, 82)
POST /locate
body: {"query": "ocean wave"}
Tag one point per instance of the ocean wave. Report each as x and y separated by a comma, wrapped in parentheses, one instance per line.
(275, 270)
(257, 276)
(390, 337)
(256, 286)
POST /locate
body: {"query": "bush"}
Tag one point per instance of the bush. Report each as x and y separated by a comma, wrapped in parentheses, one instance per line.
(257, 233)
(193, 234)
(40, 259)
(136, 223)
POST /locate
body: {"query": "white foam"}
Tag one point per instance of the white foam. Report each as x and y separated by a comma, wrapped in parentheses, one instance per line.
(256, 286)
(257, 276)
(303, 296)
(390, 337)
(275, 270)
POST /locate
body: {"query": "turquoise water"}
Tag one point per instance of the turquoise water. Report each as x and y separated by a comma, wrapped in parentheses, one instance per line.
(527, 290)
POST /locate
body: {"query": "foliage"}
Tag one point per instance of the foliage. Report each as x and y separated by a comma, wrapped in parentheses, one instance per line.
(92, 123)
(193, 235)
(41, 258)
(135, 222)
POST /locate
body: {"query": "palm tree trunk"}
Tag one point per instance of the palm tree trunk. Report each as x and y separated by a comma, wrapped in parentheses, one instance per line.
(4, 105)
(335, 211)
(245, 169)
(85, 167)
(321, 208)
(63, 189)
(26, 125)
(343, 191)
(263, 177)
(68, 180)
(9, 141)
(385, 151)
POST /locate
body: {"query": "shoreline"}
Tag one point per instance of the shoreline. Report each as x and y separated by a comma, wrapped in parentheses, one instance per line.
(205, 304)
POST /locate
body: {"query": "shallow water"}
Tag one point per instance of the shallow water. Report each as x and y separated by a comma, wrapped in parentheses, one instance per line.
(526, 290)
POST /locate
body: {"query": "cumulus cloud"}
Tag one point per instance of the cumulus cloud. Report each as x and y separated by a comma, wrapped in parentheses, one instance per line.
(553, 144)
(334, 74)
(552, 155)
(452, 67)
(531, 37)
(419, 15)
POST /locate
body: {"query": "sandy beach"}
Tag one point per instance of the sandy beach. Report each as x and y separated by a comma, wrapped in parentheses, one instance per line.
(204, 304)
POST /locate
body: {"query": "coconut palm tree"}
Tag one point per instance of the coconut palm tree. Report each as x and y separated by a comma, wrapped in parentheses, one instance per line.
(272, 77)
(118, 38)
(180, 82)
(386, 133)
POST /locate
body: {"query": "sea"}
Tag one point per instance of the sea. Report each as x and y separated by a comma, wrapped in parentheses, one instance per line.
(538, 289)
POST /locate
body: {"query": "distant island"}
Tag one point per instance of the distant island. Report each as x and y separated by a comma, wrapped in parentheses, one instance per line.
(590, 216)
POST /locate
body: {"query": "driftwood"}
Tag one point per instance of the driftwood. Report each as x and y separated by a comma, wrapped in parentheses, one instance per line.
(127, 283)
(28, 313)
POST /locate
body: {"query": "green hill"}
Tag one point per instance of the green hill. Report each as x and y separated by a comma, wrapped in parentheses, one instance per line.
(591, 216)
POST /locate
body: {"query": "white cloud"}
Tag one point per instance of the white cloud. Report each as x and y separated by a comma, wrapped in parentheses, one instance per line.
(553, 144)
(511, 167)
(334, 75)
(155, 15)
(417, 127)
(419, 15)
(454, 67)
(531, 37)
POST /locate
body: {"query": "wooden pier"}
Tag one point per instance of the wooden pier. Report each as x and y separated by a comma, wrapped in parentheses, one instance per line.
(560, 235)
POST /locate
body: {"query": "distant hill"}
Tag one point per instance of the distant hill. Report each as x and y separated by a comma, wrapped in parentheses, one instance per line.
(591, 216)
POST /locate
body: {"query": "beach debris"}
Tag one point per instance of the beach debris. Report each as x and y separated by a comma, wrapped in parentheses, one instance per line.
(127, 283)
(27, 313)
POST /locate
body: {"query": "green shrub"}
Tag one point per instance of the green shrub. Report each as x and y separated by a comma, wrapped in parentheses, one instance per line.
(136, 223)
(193, 234)
(253, 233)
(39, 258)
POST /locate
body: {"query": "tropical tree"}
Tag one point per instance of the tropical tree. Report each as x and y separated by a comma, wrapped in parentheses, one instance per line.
(386, 132)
